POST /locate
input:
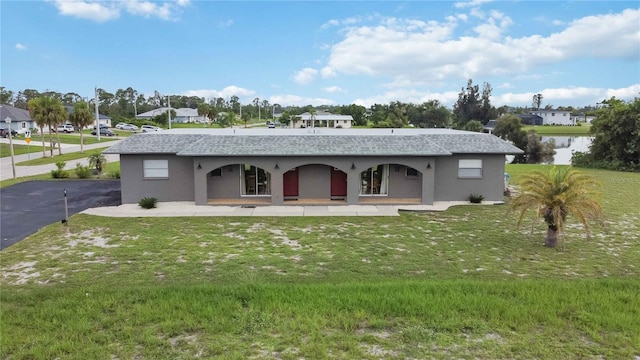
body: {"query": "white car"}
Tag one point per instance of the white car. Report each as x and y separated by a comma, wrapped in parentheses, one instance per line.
(150, 128)
(120, 125)
(130, 127)
(66, 128)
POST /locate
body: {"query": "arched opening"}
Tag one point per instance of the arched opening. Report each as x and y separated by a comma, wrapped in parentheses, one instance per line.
(238, 184)
(254, 181)
(375, 181)
(390, 184)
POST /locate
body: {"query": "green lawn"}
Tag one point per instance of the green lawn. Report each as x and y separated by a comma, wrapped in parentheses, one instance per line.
(108, 169)
(457, 284)
(559, 130)
(5, 151)
(64, 157)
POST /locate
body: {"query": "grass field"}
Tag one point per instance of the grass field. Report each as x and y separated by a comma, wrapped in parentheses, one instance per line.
(457, 284)
(110, 167)
(5, 151)
(64, 157)
(560, 130)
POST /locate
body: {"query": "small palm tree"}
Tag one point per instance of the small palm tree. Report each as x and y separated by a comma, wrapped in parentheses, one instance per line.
(556, 194)
(80, 118)
(97, 161)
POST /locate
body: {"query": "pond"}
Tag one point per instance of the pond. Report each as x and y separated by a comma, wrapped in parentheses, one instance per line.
(565, 147)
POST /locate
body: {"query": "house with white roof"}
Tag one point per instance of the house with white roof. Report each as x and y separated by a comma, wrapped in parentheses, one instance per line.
(183, 115)
(322, 119)
(554, 117)
(311, 166)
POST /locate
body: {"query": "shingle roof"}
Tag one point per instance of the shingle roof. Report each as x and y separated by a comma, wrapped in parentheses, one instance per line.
(14, 113)
(293, 142)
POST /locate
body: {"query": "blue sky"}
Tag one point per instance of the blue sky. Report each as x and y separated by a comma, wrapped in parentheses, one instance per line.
(574, 53)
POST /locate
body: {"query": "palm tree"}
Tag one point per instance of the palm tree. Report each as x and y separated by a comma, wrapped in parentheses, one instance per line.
(97, 161)
(48, 111)
(554, 195)
(35, 106)
(81, 117)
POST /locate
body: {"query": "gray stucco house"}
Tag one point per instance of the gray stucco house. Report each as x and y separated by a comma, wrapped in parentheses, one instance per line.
(311, 166)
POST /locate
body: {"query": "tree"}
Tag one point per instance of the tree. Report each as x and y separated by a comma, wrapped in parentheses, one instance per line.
(81, 117)
(430, 114)
(509, 127)
(616, 131)
(474, 125)
(97, 161)
(537, 101)
(554, 195)
(50, 112)
(473, 105)
(203, 109)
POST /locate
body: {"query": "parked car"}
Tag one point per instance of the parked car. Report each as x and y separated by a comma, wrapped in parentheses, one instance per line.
(5, 133)
(130, 127)
(103, 131)
(102, 126)
(271, 124)
(120, 125)
(66, 128)
(150, 128)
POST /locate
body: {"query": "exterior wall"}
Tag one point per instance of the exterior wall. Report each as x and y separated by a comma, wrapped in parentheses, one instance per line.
(226, 186)
(315, 176)
(402, 186)
(314, 182)
(178, 187)
(449, 187)
(555, 117)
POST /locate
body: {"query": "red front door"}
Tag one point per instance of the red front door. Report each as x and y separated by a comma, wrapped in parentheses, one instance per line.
(290, 183)
(338, 183)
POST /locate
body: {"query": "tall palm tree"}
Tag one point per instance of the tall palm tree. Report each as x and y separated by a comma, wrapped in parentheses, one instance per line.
(554, 195)
(35, 107)
(48, 111)
(81, 117)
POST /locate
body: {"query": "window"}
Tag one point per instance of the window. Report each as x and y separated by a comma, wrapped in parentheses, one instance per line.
(553, 114)
(254, 181)
(155, 169)
(374, 181)
(411, 172)
(469, 168)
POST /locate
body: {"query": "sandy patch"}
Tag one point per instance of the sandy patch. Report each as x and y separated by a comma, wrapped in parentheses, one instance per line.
(22, 272)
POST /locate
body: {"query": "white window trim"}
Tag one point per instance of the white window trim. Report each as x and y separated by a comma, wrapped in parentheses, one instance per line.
(470, 168)
(155, 169)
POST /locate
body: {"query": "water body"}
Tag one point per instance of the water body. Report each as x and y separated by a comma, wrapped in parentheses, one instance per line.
(567, 145)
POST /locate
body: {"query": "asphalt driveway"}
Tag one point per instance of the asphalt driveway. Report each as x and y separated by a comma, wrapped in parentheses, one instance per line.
(29, 206)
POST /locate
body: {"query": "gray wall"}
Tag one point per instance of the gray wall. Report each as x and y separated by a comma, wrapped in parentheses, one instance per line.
(178, 187)
(448, 187)
(314, 182)
(186, 182)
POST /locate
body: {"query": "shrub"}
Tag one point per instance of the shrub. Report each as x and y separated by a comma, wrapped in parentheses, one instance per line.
(59, 173)
(148, 202)
(114, 174)
(82, 172)
(476, 198)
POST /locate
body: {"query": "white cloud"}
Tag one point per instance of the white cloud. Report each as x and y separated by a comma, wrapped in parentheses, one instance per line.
(225, 93)
(21, 47)
(472, 3)
(224, 24)
(413, 52)
(295, 100)
(101, 11)
(574, 96)
(305, 75)
(410, 96)
(333, 89)
(95, 11)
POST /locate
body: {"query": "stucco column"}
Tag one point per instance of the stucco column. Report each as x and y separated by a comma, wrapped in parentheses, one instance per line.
(428, 182)
(277, 187)
(353, 187)
(199, 183)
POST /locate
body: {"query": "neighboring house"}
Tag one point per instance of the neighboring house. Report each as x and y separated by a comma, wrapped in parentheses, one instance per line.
(312, 166)
(528, 119)
(489, 126)
(322, 119)
(102, 119)
(581, 117)
(554, 117)
(20, 119)
(182, 115)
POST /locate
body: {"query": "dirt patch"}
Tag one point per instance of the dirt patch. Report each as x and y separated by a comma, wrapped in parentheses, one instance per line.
(21, 272)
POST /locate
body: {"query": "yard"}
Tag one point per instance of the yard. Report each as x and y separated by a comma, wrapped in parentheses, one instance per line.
(458, 284)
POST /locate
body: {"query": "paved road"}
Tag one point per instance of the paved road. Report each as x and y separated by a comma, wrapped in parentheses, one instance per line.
(29, 206)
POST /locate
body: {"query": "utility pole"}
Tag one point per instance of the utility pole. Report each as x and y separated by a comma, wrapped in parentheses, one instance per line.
(97, 116)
